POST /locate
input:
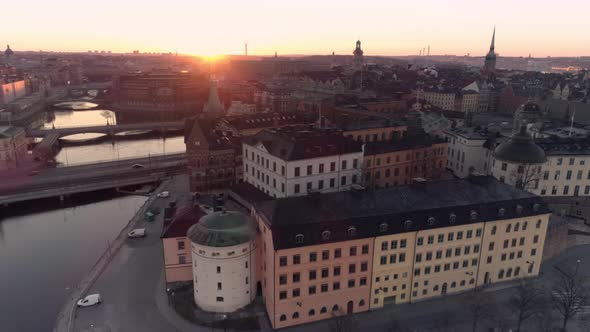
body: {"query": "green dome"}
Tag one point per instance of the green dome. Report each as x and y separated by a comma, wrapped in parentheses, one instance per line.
(222, 229)
(520, 149)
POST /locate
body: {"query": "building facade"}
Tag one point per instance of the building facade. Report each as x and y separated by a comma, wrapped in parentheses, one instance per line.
(393, 163)
(467, 151)
(13, 147)
(347, 252)
(297, 160)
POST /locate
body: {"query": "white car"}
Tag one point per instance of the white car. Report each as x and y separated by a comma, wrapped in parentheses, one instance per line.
(138, 232)
(163, 194)
(90, 300)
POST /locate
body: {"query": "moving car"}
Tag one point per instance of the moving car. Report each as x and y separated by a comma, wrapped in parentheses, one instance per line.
(89, 300)
(138, 232)
(137, 166)
(163, 194)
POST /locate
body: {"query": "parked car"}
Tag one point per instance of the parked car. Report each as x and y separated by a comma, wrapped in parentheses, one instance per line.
(163, 194)
(137, 166)
(138, 232)
(90, 300)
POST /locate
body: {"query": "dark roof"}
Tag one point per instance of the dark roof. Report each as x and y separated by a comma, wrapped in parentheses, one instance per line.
(216, 139)
(183, 219)
(408, 142)
(520, 149)
(565, 146)
(264, 120)
(368, 210)
(303, 142)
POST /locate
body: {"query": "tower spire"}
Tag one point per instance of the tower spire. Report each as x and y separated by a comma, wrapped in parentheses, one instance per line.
(492, 46)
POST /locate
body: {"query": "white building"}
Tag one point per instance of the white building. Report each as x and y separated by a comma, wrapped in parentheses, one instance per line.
(297, 160)
(467, 152)
(223, 248)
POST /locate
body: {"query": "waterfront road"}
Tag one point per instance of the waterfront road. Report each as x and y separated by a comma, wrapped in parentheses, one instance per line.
(130, 285)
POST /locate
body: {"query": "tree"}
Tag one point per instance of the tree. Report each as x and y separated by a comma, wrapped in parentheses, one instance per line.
(526, 302)
(526, 176)
(478, 308)
(569, 296)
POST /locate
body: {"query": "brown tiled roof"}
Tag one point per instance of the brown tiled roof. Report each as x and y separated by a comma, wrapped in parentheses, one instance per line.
(181, 222)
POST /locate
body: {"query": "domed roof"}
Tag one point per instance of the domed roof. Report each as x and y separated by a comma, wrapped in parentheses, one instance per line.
(222, 229)
(529, 107)
(520, 149)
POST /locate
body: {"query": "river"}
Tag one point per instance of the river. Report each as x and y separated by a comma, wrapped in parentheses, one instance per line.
(71, 154)
(44, 254)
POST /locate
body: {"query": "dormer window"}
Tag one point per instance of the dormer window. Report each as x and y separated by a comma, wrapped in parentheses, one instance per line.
(452, 218)
(518, 209)
(351, 231)
(383, 227)
(430, 221)
(501, 212)
(325, 235)
(299, 238)
(408, 224)
(473, 215)
(536, 207)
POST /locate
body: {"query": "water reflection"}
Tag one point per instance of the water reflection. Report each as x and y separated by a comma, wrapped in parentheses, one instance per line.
(109, 151)
(66, 118)
(76, 105)
(43, 255)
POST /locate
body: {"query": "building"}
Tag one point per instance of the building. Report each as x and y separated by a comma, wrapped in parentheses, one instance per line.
(214, 156)
(358, 59)
(298, 160)
(11, 91)
(251, 124)
(399, 162)
(348, 252)
(213, 108)
(13, 146)
(371, 130)
(467, 151)
(223, 249)
(176, 247)
(440, 98)
(489, 66)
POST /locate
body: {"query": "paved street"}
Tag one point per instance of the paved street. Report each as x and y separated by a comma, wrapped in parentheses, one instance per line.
(134, 300)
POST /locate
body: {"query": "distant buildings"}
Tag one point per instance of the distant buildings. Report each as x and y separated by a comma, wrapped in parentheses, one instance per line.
(13, 147)
(489, 66)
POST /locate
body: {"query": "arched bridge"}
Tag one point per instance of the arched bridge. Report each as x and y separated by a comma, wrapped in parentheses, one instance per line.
(106, 129)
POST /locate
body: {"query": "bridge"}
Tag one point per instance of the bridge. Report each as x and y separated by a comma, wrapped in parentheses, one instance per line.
(60, 182)
(48, 147)
(107, 129)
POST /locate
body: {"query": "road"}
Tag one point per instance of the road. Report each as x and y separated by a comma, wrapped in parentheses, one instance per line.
(131, 282)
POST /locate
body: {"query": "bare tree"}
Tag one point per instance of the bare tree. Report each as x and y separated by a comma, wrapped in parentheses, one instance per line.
(343, 322)
(569, 296)
(526, 176)
(526, 302)
(479, 308)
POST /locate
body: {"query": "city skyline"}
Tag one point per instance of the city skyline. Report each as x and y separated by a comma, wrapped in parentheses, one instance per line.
(222, 28)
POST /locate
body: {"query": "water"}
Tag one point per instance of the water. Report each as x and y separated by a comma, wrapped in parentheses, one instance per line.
(44, 254)
(104, 150)
(107, 151)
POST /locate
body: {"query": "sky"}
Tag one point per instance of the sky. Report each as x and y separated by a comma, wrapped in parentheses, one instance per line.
(215, 27)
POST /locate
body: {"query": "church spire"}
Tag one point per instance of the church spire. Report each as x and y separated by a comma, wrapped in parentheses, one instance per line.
(492, 46)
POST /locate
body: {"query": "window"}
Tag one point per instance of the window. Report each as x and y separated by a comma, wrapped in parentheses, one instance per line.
(313, 256)
(311, 290)
(283, 261)
(180, 245)
(325, 255)
(296, 189)
(352, 268)
(533, 252)
(365, 249)
(333, 166)
(402, 257)
(219, 269)
(296, 277)
(364, 266)
(418, 258)
(324, 288)
(296, 259)
(219, 299)
(296, 292)
(430, 239)
(420, 241)
(451, 236)
(336, 285)
(337, 253)
(539, 223)
(449, 252)
(494, 228)
(218, 286)
(351, 231)
(392, 259)
(352, 251)
(282, 279)
(309, 169)
(311, 312)
(441, 238)
(384, 245)
(363, 281)
(469, 234)
(181, 259)
(299, 238)
(312, 275)
(402, 244)
(325, 235)
(336, 270)
(321, 168)
(323, 310)
(325, 272)
(282, 295)
(283, 318)
(297, 171)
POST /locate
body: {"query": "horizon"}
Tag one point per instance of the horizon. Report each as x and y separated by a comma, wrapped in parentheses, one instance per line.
(222, 28)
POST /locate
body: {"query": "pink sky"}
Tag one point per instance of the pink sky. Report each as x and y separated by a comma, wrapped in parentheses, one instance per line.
(213, 27)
